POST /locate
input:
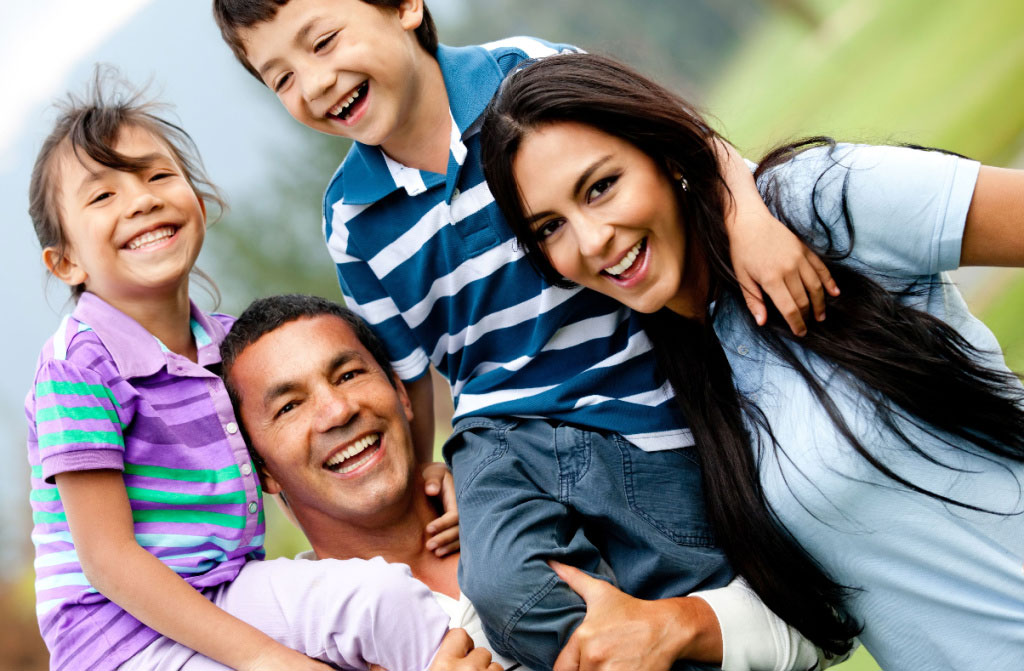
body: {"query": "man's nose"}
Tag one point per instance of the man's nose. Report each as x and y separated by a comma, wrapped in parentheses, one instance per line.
(334, 409)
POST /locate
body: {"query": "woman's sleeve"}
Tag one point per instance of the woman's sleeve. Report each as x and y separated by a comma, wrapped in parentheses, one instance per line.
(907, 206)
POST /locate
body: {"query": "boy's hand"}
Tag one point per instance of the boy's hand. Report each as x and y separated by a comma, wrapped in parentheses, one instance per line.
(458, 654)
(444, 531)
(768, 256)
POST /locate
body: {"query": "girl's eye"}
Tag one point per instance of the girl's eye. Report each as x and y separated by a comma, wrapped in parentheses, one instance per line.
(161, 175)
(548, 228)
(100, 197)
(320, 44)
(282, 81)
(599, 187)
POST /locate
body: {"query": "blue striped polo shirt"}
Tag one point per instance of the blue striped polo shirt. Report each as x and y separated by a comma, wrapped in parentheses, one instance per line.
(429, 262)
(108, 395)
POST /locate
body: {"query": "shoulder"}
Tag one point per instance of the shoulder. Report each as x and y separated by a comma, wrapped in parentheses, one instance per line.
(512, 51)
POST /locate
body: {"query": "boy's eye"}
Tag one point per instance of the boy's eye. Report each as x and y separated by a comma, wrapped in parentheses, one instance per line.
(324, 42)
(282, 81)
(548, 228)
(599, 187)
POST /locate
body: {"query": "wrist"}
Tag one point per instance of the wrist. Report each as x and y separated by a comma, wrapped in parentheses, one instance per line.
(696, 634)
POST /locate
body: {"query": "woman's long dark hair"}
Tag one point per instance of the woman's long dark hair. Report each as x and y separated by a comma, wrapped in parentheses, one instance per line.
(937, 384)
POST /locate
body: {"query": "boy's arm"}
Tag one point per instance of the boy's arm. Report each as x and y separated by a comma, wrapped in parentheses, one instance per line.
(767, 255)
(100, 519)
(421, 395)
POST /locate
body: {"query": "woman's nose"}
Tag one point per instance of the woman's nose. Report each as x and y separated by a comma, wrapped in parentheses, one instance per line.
(593, 236)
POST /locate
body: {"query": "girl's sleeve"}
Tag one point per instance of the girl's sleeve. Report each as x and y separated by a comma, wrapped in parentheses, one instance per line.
(78, 420)
(907, 206)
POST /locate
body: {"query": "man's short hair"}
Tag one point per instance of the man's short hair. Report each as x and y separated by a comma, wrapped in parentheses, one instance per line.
(269, 314)
(234, 16)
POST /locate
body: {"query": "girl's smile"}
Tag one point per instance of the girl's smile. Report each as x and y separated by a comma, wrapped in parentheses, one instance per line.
(605, 214)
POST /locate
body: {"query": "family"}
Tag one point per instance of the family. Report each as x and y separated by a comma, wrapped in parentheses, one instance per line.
(656, 466)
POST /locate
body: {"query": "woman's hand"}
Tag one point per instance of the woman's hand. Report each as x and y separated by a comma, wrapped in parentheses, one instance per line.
(621, 633)
(444, 531)
(458, 654)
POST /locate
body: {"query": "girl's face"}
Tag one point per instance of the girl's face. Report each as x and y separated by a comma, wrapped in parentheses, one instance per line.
(131, 235)
(605, 214)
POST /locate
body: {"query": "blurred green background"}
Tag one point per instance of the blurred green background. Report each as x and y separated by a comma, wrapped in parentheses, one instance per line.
(943, 73)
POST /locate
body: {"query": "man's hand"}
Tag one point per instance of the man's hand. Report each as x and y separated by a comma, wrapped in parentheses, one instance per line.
(621, 633)
(458, 654)
(444, 531)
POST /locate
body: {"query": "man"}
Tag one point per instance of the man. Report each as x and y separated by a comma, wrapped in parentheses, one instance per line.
(328, 423)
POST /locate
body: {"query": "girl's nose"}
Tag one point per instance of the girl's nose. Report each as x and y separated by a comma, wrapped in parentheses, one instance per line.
(143, 201)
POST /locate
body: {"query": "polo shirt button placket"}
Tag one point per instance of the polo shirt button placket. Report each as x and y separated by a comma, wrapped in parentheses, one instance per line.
(231, 428)
(246, 469)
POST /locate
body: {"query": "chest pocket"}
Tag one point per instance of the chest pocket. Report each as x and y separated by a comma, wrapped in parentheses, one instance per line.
(477, 221)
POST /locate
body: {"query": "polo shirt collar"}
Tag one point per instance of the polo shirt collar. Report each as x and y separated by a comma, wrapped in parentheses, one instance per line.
(136, 351)
(471, 76)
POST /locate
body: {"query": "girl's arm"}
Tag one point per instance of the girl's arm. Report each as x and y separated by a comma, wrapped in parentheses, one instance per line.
(994, 232)
(100, 519)
(767, 255)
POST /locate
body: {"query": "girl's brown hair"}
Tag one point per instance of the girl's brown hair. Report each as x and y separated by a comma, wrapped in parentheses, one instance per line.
(91, 125)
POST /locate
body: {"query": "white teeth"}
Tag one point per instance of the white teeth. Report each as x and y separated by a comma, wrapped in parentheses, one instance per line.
(341, 107)
(351, 451)
(626, 261)
(151, 237)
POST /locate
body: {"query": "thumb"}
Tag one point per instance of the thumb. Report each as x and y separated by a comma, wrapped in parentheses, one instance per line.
(569, 658)
(588, 587)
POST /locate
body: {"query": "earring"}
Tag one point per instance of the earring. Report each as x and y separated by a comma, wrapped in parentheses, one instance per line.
(683, 184)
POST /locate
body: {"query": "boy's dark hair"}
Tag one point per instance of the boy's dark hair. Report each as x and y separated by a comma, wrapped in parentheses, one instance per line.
(269, 314)
(91, 125)
(233, 16)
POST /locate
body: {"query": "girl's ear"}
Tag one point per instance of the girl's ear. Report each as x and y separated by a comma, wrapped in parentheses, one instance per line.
(64, 267)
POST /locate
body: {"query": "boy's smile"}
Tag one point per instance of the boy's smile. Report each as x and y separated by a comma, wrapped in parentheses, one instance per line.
(345, 67)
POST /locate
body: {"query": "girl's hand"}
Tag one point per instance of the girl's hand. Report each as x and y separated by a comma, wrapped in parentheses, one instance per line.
(458, 654)
(444, 531)
(621, 633)
(768, 256)
(280, 658)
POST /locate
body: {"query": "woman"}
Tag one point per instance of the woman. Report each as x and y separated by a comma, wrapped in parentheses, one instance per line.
(889, 441)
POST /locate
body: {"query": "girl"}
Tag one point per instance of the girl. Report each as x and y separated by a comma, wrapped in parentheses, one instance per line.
(889, 441)
(147, 510)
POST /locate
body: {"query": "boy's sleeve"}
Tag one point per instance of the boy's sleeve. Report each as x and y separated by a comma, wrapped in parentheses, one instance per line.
(366, 296)
(78, 420)
(908, 207)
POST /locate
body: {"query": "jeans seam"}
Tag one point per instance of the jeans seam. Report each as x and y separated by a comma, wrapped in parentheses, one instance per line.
(506, 632)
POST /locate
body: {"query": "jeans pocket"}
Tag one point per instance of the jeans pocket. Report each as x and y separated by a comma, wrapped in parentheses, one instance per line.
(474, 444)
(665, 489)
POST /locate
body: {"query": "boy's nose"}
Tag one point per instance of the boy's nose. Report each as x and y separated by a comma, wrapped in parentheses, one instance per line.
(317, 82)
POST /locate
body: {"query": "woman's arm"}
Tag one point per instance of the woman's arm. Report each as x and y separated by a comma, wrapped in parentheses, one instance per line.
(994, 232)
(100, 519)
(767, 255)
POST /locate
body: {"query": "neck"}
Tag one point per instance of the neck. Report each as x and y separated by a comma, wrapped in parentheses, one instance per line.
(425, 136)
(398, 535)
(692, 298)
(168, 318)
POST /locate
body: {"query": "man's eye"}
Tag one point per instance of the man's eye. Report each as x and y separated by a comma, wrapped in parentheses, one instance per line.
(282, 81)
(320, 44)
(287, 407)
(548, 228)
(599, 187)
(348, 375)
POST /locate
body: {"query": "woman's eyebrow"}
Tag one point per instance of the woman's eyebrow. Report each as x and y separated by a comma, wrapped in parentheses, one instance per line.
(576, 188)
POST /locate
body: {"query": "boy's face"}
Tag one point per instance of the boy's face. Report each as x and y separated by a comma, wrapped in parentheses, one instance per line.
(342, 67)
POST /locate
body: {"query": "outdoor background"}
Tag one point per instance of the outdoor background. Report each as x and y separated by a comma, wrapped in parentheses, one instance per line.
(947, 73)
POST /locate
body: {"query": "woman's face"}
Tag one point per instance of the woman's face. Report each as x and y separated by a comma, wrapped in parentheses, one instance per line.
(604, 213)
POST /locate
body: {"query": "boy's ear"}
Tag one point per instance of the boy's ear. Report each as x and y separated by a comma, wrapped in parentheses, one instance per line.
(64, 267)
(410, 14)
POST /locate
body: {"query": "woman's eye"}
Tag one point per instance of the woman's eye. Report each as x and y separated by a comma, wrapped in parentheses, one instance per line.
(325, 41)
(548, 228)
(282, 81)
(599, 187)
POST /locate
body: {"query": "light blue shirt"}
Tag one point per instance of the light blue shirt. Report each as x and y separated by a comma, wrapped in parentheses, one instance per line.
(941, 587)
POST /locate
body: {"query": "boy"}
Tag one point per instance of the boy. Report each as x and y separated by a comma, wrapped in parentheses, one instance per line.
(424, 256)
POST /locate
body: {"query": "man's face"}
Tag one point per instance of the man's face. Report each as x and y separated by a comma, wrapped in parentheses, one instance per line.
(332, 429)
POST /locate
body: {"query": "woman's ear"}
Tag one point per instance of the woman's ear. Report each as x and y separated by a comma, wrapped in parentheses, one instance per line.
(64, 267)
